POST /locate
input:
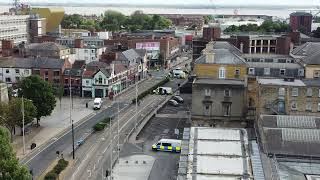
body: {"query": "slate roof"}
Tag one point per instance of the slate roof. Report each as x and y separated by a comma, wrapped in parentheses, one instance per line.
(226, 45)
(40, 62)
(209, 81)
(311, 82)
(47, 46)
(293, 136)
(274, 65)
(222, 56)
(73, 72)
(307, 49)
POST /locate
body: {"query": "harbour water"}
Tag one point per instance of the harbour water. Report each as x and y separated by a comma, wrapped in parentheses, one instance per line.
(279, 12)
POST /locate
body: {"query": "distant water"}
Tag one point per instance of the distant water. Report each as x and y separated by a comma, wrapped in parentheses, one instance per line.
(282, 13)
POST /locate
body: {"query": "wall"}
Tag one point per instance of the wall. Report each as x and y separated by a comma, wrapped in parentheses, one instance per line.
(4, 93)
(217, 97)
(310, 69)
(212, 71)
(12, 74)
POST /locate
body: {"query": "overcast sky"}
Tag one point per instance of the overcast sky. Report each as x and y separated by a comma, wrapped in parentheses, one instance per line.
(218, 2)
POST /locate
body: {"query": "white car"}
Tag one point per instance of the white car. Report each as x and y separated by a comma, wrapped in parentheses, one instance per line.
(173, 102)
(97, 103)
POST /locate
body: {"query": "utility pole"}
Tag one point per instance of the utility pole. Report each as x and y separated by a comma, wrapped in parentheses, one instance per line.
(71, 121)
(136, 81)
(118, 146)
(23, 138)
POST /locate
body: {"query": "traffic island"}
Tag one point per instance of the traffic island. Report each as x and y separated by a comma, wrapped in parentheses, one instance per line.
(56, 170)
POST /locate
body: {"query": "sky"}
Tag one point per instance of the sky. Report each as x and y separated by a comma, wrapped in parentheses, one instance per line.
(202, 2)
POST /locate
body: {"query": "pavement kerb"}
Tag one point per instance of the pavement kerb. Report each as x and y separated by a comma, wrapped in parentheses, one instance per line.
(58, 136)
(64, 131)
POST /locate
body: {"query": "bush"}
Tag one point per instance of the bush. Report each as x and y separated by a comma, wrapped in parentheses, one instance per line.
(62, 164)
(99, 126)
(51, 176)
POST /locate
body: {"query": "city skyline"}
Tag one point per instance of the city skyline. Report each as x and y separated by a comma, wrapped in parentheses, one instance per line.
(187, 2)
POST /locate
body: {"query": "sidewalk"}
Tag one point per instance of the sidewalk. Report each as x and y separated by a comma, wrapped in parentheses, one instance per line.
(54, 124)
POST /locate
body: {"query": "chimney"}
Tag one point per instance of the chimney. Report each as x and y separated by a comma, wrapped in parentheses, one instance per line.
(7, 47)
(241, 47)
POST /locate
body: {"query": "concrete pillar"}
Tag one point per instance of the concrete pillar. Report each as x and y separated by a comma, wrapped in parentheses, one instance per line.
(268, 46)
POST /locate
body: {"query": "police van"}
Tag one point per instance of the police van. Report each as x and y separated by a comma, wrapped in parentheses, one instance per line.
(172, 145)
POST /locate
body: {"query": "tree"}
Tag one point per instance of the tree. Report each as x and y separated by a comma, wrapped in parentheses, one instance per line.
(41, 94)
(113, 21)
(207, 19)
(15, 112)
(10, 168)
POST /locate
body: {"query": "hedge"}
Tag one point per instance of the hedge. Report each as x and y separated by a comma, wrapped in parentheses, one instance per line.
(150, 90)
(101, 125)
(54, 174)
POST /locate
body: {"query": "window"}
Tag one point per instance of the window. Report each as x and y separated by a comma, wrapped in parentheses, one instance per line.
(318, 106)
(17, 78)
(282, 60)
(66, 81)
(86, 51)
(251, 71)
(56, 81)
(207, 92)
(282, 72)
(222, 73)
(266, 71)
(309, 92)
(37, 71)
(104, 81)
(56, 73)
(7, 71)
(26, 72)
(17, 71)
(206, 110)
(100, 79)
(8, 79)
(316, 74)
(226, 109)
(295, 92)
(92, 50)
(309, 106)
(294, 106)
(237, 73)
(87, 81)
(46, 72)
(227, 93)
(301, 72)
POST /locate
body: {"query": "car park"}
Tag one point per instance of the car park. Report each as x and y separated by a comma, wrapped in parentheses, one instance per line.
(173, 102)
(179, 99)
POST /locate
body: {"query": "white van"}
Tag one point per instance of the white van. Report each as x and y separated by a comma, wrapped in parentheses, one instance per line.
(97, 103)
(172, 145)
(178, 73)
(163, 90)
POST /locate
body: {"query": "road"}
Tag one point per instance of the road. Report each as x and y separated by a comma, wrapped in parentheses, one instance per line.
(41, 158)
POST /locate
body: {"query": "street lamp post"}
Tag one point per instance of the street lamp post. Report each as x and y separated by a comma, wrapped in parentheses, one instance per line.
(136, 113)
(71, 121)
(23, 138)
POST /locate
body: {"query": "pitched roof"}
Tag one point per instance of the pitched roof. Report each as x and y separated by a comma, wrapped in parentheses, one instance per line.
(88, 74)
(96, 65)
(226, 45)
(313, 59)
(130, 54)
(306, 49)
(46, 46)
(40, 62)
(222, 56)
(118, 68)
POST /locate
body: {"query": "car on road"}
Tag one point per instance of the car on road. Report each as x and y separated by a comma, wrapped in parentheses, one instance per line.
(179, 99)
(173, 103)
(171, 145)
(163, 90)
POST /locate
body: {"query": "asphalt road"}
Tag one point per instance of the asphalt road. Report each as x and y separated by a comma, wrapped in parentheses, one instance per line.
(41, 158)
(166, 163)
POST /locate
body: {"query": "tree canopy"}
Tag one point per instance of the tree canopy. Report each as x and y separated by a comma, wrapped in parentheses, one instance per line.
(266, 26)
(115, 21)
(10, 169)
(40, 93)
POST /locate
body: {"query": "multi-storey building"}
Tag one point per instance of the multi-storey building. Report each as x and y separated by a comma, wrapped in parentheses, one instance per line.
(301, 21)
(14, 27)
(219, 90)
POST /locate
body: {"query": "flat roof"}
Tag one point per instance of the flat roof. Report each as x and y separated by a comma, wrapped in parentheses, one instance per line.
(217, 153)
(281, 82)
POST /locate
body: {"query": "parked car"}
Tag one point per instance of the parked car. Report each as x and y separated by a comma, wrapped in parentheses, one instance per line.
(173, 102)
(179, 99)
(163, 90)
(97, 103)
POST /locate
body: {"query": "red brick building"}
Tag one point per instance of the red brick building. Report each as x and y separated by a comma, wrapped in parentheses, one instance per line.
(301, 21)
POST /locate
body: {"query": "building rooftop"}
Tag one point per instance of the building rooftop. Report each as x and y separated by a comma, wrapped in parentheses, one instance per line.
(280, 82)
(312, 82)
(49, 46)
(221, 56)
(210, 81)
(218, 154)
(295, 136)
(274, 65)
(266, 56)
(40, 62)
(306, 49)
(300, 14)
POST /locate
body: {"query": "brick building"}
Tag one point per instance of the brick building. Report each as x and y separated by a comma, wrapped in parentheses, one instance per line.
(301, 21)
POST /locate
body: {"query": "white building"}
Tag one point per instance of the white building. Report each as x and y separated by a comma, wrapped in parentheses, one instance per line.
(87, 41)
(12, 75)
(14, 27)
(89, 53)
(213, 153)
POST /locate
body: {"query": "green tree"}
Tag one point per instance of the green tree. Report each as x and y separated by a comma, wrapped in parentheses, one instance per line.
(113, 21)
(14, 112)
(207, 19)
(10, 169)
(41, 94)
